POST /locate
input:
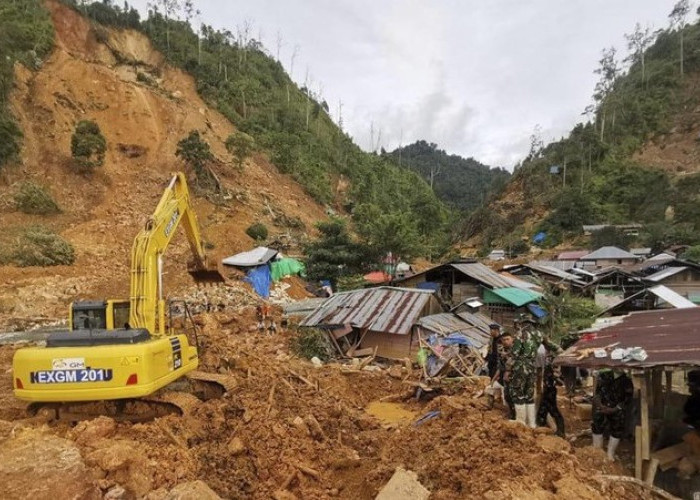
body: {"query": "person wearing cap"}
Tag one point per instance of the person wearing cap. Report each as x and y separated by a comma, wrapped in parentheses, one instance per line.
(521, 381)
(612, 394)
(548, 402)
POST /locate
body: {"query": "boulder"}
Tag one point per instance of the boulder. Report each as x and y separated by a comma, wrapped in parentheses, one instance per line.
(192, 490)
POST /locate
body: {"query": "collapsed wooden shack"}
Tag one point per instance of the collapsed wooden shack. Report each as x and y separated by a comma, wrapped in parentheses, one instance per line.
(379, 321)
(650, 346)
(452, 344)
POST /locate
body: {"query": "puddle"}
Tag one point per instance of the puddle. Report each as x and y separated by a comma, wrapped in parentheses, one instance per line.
(391, 414)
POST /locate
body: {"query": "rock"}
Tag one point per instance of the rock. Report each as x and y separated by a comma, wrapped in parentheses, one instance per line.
(299, 423)
(116, 456)
(315, 428)
(236, 446)
(553, 443)
(403, 485)
(284, 495)
(192, 490)
(316, 362)
(39, 466)
(115, 493)
(396, 372)
(88, 432)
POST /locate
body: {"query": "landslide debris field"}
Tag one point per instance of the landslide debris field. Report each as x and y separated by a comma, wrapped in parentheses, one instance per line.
(290, 430)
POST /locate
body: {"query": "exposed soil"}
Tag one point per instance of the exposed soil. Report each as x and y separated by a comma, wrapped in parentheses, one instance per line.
(86, 79)
(308, 431)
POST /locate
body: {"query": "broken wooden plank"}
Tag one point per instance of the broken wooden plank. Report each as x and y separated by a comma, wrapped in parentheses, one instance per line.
(671, 454)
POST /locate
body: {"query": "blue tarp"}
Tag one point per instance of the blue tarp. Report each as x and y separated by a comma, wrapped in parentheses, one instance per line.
(428, 285)
(537, 311)
(454, 338)
(539, 237)
(260, 278)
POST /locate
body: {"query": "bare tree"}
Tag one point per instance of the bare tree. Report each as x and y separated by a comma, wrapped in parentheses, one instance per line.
(678, 21)
(435, 169)
(279, 44)
(307, 87)
(608, 71)
(340, 115)
(638, 42)
(536, 142)
(170, 8)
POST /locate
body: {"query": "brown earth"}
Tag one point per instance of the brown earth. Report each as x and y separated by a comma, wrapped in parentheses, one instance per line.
(290, 430)
(86, 79)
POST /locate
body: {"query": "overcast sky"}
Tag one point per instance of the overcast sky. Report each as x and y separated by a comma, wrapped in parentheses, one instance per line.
(473, 76)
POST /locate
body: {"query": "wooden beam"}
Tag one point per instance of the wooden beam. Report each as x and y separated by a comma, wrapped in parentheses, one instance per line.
(638, 452)
(651, 471)
(667, 394)
(656, 396)
(644, 411)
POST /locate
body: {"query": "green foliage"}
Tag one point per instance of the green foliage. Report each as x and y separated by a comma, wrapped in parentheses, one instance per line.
(196, 153)
(257, 231)
(88, 146)
(291, 124)
(692, 254)
(461, 182)
(310, 342)
(240, 145)
(335, 253)
(39, 246)
(568, 313)
(351, 282)
(572, 210)
(611, 236)
(32, 198)
(26, 36)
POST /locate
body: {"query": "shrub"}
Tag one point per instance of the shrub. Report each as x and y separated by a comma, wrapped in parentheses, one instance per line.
(35, 199)
(88, 146)
(240, 145)
(39, 246)
(257, 231)
(196, 153)
(310, 342)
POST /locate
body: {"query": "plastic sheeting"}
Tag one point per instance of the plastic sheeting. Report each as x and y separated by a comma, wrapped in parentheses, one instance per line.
(286, 267)
(260, 279)
(252, 258)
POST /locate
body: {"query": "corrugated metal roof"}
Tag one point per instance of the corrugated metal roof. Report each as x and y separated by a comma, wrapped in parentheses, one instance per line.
(302, 307)
(515, 296)
(670, 337)
(609, 253)
(486, 275)
(473, 326)
(665, 273)
(382, 309)
(519, 283)
(553, 271)
(573, 254)
(671, 297)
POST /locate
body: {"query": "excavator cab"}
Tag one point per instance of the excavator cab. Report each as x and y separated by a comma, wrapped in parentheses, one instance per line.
(99, 314)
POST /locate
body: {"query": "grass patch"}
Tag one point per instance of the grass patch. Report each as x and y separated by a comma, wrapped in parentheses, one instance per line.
(310, 342)
(38, 246)
(34, 199)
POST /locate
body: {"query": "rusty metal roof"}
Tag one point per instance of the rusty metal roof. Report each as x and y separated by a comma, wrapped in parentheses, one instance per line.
(382, 309)
(484, 274)
(473, 326)
(670, 337)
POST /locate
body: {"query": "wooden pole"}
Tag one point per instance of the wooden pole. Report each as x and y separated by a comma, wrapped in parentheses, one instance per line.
(669, 390)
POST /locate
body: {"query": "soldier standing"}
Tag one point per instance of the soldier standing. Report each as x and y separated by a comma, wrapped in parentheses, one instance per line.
(612, 393)
(522, 370)
(548, 403)
(505, 347)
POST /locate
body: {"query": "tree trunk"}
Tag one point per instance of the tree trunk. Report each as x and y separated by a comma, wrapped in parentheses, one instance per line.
(602, 125)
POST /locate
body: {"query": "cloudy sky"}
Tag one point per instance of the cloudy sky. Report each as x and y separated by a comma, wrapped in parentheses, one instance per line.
(473, 76)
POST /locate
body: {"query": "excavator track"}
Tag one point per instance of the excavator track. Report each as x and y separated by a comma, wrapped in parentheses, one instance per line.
(180, 398)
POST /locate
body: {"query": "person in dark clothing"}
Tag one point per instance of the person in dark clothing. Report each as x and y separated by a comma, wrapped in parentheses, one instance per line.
(613, 392)
(548, 404)
(505, 348)
(692, 404)
(492, 355)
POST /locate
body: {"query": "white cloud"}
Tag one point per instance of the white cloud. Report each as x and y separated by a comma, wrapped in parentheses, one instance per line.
(473, 76)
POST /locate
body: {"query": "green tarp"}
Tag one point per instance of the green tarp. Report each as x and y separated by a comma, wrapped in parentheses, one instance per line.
(513, 296)
(286, 267)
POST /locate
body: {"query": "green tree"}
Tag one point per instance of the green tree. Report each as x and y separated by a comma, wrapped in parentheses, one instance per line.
(693, 254)
(335, 253)
(240, 145)
(88, 146)
(678, 21)
(196, 153)
(610, 236)
(257, 231)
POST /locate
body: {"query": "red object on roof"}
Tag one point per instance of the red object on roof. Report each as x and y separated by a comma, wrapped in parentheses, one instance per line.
(377, 277)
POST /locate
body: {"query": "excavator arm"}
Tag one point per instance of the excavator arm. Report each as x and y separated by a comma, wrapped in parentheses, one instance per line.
(147, 306)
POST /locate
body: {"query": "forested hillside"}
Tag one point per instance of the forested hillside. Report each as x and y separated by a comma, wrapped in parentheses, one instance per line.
(236, 75)
(634, 160)
(463, 183)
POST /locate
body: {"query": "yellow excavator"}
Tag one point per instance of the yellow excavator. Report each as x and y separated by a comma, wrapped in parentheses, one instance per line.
(119, 357)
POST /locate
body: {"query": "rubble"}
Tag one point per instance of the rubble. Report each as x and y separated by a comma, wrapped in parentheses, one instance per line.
(402, 485)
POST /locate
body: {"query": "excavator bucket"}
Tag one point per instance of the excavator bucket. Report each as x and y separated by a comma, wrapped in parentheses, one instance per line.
(210, 274)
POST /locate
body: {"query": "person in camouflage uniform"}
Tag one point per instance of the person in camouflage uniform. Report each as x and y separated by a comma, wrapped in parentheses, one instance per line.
(612, 394)
(522, 370)
(505, 347)
(548, 404)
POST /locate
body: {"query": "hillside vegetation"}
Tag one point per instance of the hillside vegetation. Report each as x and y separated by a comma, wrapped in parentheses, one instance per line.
(463, 183)
(237, 76)
(613, 168)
